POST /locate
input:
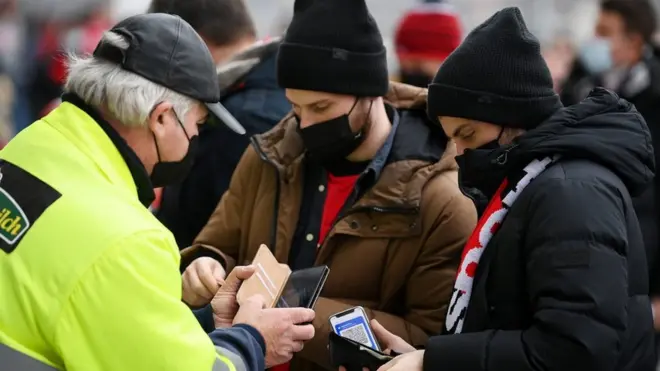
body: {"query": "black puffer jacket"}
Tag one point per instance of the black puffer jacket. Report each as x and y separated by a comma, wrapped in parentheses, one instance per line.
(563, 284)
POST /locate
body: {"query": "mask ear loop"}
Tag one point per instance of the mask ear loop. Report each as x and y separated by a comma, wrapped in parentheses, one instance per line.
(181, 124)
(354, 104)
(499, 136)
(364, 129)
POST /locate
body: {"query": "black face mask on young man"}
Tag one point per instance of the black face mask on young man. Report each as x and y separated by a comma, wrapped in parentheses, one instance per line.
(482, 167)
(171, 172)
(332, 140)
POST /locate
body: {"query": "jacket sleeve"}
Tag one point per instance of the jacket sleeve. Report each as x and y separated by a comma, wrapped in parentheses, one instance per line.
(220, 237)
(428, 289)
(577, 284)
(126, 313)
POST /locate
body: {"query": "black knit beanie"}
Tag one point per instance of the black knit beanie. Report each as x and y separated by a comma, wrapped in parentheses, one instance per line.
(333, 46)
(497, 75)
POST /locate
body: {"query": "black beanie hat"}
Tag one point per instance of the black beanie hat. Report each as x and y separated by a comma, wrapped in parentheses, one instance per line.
(497, 75)
(333, 46)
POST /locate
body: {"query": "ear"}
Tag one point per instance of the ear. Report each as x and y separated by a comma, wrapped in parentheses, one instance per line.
(158, 118)
(636, 39)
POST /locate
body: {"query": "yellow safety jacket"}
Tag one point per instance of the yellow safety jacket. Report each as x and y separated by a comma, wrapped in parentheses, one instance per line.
(89, 278)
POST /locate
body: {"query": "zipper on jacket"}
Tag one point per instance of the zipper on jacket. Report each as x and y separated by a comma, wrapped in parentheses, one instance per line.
(262, 155)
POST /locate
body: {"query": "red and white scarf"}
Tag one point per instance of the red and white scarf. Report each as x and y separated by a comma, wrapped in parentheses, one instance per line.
(487, 226)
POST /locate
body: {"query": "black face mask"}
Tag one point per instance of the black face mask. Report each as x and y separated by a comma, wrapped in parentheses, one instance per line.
(171, 172)
(483, 167)
(416, 79)
(331, 141)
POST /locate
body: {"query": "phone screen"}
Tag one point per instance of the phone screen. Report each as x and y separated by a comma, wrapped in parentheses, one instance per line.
(353, 324)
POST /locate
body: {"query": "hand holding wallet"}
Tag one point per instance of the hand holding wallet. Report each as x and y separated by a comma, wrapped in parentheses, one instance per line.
(355, 356)
(279, 286)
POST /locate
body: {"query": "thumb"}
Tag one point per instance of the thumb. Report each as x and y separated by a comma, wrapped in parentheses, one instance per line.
(381, 333)
(244, 272)
(235, 278)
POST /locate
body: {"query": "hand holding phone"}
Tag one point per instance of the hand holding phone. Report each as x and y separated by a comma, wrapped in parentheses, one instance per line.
(354, 324)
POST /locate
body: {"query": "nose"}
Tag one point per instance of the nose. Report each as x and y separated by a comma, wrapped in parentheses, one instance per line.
(304, 122)
(460, 148)
(194, 130)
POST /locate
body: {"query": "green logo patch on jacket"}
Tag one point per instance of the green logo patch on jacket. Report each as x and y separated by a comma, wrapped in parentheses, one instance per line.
(23, 199)
(13, 222)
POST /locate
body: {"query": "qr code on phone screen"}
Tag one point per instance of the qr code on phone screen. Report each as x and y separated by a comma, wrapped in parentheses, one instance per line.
(357, 333)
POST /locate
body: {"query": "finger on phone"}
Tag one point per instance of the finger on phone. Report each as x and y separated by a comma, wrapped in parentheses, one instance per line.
(381, 332)
(303, 333)
(376, 326)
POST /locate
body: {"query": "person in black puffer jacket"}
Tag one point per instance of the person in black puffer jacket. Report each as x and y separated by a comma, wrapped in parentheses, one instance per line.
(554, 277)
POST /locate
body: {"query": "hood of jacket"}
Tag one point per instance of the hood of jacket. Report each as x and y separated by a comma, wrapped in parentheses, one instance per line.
(244, 67)
(419, 150)
(603, 128)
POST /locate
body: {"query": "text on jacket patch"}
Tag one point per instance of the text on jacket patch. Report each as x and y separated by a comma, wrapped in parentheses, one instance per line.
(13, 222)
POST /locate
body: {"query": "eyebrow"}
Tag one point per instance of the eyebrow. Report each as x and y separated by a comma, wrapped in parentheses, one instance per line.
(320, 101)
(459, 129)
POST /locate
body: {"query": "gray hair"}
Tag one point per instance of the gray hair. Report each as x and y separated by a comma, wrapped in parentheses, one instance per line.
(128, 97)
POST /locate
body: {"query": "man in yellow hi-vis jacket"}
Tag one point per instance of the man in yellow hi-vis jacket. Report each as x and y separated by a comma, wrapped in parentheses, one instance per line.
(89, 279)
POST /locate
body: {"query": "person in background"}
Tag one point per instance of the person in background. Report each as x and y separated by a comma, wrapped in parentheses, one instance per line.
(623, 58)
(250, 93)
(554, 277)
(89, 277)
(356, 178)
(75, 32)
(559, 56)
(425, 36)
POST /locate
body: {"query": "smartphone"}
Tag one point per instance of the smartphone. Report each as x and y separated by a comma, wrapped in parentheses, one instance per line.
(303, 288)
(353, 324)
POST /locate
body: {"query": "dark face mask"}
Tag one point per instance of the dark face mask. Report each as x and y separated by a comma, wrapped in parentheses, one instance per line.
(482, 168)
(416, 79)
(332, 140)
(171, 172)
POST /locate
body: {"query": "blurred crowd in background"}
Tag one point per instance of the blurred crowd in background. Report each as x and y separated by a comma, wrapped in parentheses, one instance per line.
(35, 34)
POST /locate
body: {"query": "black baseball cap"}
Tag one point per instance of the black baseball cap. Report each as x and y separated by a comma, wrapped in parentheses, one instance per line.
(166, 50)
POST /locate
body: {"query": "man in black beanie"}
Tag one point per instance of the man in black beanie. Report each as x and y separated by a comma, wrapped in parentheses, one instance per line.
(356, 177)
(554, 276)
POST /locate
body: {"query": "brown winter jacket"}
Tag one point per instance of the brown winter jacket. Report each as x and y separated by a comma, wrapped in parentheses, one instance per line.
(395, 252)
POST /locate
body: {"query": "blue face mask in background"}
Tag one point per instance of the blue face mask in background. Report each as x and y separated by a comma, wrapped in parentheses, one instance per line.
(596, 55)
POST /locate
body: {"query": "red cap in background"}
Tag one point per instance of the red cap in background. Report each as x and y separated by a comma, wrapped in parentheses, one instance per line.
(432, 30)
